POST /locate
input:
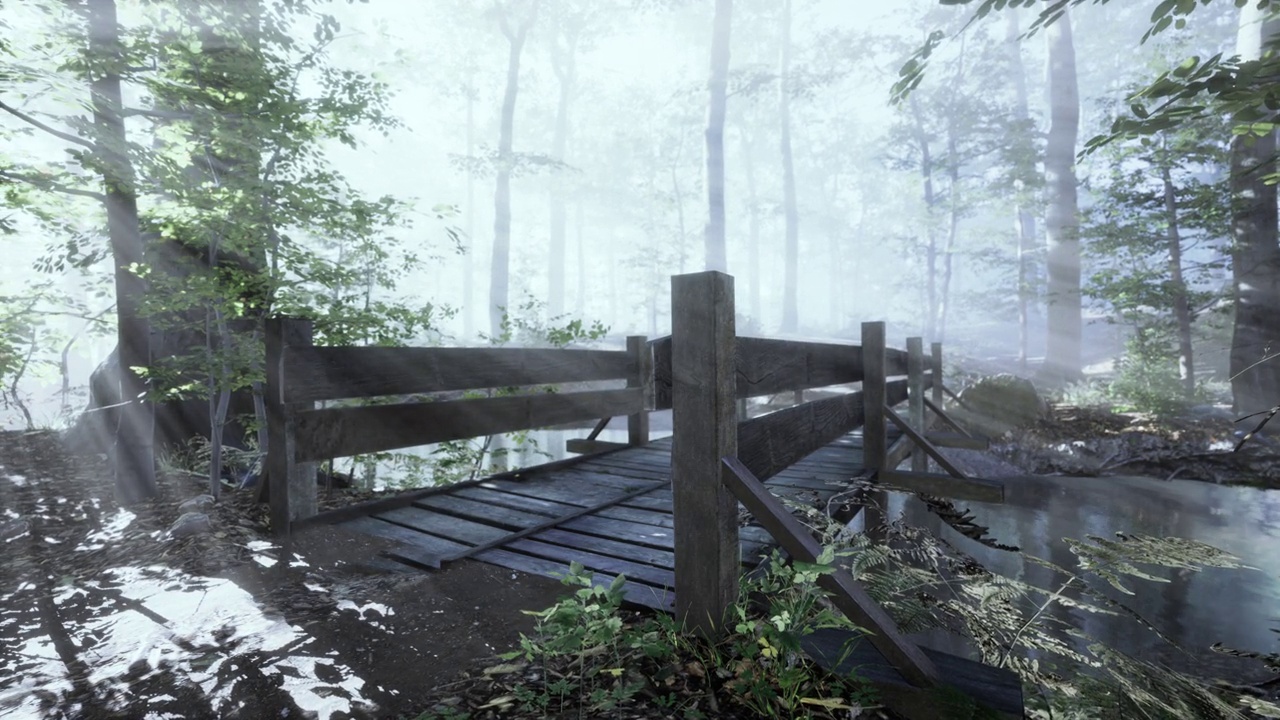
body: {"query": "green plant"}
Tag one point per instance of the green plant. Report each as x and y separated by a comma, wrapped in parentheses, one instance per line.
(1147, 374)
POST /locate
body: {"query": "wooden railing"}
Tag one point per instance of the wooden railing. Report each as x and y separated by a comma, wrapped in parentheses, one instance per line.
(299, 374)
(703, 368)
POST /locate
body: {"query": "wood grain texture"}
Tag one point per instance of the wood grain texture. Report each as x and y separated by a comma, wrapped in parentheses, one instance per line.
(895, 362)
(638, 423)
(290, 481)
(343, 432)
(915, 398)
(704, 428)
(328, 373)
(771, 443)
(847, 594)
(588, 447)
(935, 369)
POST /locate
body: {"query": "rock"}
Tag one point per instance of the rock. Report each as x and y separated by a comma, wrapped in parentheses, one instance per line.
(197, 504)
(999, 403)
(191, 524)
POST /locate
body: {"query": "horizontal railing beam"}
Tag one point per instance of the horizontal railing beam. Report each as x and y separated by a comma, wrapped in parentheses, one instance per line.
(343, 432)
(330, 373)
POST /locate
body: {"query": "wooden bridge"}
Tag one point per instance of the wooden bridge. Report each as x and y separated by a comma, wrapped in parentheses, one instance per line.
(682, 517)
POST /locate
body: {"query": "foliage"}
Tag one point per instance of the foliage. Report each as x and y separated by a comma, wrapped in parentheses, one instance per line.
(1147, 374)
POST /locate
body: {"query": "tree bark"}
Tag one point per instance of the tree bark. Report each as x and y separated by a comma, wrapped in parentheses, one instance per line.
(134, 449)
(753, 226)
(716, 254)
(1062, 362)
(469, 259)
(1255, 371)
(791, 261)
(564, 63)
(931, 242)
(1024, 219)
(1181, 304)
(500, 269)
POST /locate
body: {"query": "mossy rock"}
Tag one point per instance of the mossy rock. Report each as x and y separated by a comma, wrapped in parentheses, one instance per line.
(996, 404)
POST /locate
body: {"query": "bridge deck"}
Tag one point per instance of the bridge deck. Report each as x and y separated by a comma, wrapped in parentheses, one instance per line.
(610, 512)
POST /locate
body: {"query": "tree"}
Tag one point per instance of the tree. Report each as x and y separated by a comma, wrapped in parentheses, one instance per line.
(791, 262)
(1023, 156)
(1255, 376)
(1062, 361)
(716, 255)
(516, 34)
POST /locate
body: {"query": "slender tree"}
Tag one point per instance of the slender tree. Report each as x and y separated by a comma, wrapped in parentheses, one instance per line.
(1024, 169)
(716, 255)
(1255, 343)
(791, 257)
(516, 33)
(1062, 226)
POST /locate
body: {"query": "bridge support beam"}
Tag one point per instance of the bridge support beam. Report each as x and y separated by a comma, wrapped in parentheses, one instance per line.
(915, 399)
(704, 429)
(290, 485)
(874, 436)
(638, 424)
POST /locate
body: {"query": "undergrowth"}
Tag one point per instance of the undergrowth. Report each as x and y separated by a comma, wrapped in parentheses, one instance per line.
(588, 658)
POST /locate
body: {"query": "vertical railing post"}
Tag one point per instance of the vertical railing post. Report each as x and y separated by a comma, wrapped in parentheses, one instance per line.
(936, 369)
(873, 424)
(915, 398)
(704, 427)
(638, 424)
(292, 485)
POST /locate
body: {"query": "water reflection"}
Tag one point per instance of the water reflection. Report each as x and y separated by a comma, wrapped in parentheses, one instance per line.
(1196, 609)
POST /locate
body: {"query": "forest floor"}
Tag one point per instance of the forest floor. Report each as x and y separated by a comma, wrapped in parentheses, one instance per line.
(103, 615)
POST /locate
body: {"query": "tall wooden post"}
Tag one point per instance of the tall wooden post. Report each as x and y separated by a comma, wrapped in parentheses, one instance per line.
(936, 368)
(292, 486)
(705, 429)
(873, 425)
(638, 424)
(915, 398)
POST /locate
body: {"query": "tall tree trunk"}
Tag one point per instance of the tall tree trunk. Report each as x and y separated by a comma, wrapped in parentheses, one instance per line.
(717, 257)
(953, 228)
(753, 225)
(500, 270)
(564, 63)
(931, 243)
(134, 461)
(1024, 219)
(1181, 304)
(1255, 371)
(469, 258)
(1062, 223)
(791, 261)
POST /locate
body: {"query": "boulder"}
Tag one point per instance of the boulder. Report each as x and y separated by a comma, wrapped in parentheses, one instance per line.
(189, 524)
(997, 404)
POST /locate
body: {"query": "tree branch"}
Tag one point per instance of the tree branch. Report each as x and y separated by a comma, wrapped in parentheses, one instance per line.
(52, 186)
(52, 131)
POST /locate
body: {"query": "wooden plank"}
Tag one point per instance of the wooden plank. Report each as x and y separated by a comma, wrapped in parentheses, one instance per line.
(638, 422)
(895, 362)
(874, 437)
(588, 447)
(705, 429)
(945, 486)
(414, 547)
(542, 506)
(343, 432)
(767, 366)
(935, 371)
(636, 553)
(326, 373)
(636, 593)
(915, 398)
(467, 509)
(566, 488)
(290, 481)
(648, 574)
(847, 594)
(957, 440)
(844, 653)
(443, 526)
(662, 389)
(942, 414)
(769, 443)
(924, 444)
(544, 525)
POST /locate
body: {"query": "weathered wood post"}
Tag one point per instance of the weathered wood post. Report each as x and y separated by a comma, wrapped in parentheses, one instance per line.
(638, 424)
(873, 425)
(936, 368)
(915, 398)
(292, 485)
(704, 429)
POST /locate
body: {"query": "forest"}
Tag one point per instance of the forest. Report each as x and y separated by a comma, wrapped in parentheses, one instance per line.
(1081, 195)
